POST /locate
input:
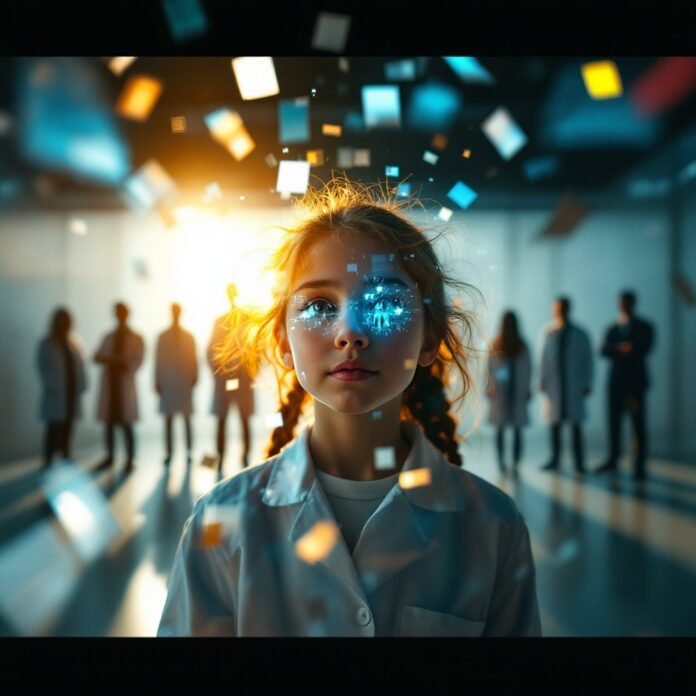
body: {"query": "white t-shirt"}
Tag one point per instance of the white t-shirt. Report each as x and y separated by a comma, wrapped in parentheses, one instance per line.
(353, 502)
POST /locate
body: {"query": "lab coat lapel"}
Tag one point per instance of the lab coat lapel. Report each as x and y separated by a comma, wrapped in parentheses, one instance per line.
(392, 539)
(293, 486)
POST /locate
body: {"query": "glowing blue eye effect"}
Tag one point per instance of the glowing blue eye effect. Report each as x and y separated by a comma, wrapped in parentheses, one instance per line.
(381, 311)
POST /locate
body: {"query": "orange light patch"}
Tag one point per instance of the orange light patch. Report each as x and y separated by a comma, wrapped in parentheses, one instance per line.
(332, 129)
(315, 157)
(439, 141)
(178, 124)
(138, 97)
(415, 478)
(212, 535)
(318, 542)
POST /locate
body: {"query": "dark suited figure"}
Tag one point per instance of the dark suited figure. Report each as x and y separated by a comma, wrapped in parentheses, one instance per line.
(626, 344)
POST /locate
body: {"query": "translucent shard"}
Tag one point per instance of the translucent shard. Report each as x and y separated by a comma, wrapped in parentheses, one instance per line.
(293, 120)
(415, 478)
(138, 97)
(462, 195)
(384, 458)
(331, 32)
(504, 133)
(293, 176)
(381, 106)
(256, 77)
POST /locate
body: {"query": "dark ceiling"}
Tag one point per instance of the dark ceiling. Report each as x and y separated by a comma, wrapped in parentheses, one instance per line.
(541, 94)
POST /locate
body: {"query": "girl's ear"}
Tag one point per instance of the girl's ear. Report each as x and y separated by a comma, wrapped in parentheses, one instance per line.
(284, 346)
(429, 349)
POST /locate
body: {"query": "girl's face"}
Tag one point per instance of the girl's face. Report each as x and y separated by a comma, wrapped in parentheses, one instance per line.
(353, 301)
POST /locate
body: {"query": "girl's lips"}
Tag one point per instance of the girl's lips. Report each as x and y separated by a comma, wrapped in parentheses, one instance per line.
(352, 375)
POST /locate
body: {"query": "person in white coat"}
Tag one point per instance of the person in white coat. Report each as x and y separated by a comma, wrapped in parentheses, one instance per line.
(176, 374)
(233, 386)
(121, 354)
(61, 369)
(508, 388)
(567, 370)
(364, 524)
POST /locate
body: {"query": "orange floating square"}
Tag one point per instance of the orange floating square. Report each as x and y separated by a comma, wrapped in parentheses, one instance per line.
(332, 129)
(415, 478)
(138, 97)
(178, 124)
(466, 154)
(317, 543)
(240, 144)
(212, 535)
(315, 157)
(439, 141)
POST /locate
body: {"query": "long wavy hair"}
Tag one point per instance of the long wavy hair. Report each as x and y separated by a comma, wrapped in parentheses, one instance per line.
(508, 343)
(341, 207)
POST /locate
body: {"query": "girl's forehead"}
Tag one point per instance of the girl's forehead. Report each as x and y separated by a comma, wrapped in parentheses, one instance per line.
(354, 254)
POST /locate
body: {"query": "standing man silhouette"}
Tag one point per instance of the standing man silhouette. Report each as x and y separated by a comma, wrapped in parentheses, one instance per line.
(626, 344)
(176, 373)
(566, 381)
(232, 386)
(121, 354)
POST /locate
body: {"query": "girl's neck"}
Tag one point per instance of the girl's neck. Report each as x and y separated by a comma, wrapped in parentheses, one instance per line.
(344, 445)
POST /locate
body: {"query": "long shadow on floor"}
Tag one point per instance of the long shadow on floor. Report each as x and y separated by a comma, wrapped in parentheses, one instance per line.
(595, 581)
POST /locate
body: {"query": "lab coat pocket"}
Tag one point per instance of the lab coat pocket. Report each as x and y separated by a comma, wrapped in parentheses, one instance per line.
(425, 622)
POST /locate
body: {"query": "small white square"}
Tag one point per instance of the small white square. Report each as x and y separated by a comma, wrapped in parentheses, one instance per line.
(445, 214)
(271, 161)
(256, 77)
(212, 192)
(352, 268)
(430, 157)
(385, 458)
(78, 226)
(231, 385)
(344, 158)
(293, 176)
(331, 32)
(343, 64)
(274, 420)
(361, 158)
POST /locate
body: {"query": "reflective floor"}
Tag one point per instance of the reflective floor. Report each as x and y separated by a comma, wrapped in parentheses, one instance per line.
(613, 557)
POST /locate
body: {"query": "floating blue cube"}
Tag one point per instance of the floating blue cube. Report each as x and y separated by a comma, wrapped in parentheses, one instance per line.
(462, 195)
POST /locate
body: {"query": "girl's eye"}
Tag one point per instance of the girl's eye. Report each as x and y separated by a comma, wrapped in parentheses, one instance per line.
(317, 308)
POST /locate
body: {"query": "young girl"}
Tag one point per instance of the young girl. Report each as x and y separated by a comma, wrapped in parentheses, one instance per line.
(362, 523)
(509, 390)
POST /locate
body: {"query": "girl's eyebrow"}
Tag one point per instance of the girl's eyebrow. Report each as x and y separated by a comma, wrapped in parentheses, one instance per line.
(336, 284)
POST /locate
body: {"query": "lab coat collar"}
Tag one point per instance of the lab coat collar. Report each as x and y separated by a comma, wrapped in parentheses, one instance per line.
(292, 477)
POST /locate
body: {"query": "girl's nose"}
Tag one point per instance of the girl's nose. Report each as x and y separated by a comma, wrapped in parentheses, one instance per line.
(350, 329)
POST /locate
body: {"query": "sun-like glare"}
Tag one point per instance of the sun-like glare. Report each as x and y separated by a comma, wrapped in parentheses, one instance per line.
(213, 250)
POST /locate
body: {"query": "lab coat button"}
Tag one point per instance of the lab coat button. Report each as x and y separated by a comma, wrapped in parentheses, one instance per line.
(363, 616)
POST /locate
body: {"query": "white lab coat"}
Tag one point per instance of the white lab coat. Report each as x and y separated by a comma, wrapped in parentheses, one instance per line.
(176, 371)
(133, 352)
(451, 558)
(500, 370)
(579, 366)
(51, 365)
(243, 396)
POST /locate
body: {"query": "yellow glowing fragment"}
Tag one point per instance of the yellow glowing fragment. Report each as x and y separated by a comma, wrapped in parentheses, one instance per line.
(466, 154)
(256, 77)
(212, 535)
(415, 478)
(332, 129)
(118, 64)
(315, 157)
(226, 126)
(232, 384)
(240, 144)
(410, 364)
(602, 79)
(138, 97)
(439, 141)
(318, 542)
(78, 226)
(178, 124)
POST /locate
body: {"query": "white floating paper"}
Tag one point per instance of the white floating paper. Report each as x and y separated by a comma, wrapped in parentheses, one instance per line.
(293, 176)
(381, 106)
(384, 458)
(256, 77)
(445, 214)
(430, 157)
(502, 130)
(331, 32)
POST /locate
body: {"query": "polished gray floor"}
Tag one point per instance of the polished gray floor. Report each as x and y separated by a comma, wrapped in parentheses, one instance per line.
(613, 557)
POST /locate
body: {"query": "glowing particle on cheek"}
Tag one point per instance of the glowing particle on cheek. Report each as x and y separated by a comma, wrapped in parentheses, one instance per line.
(384, 458)
(409, 364)
(376, 415)
(231, 384)
(317, 543)
(415, 478)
